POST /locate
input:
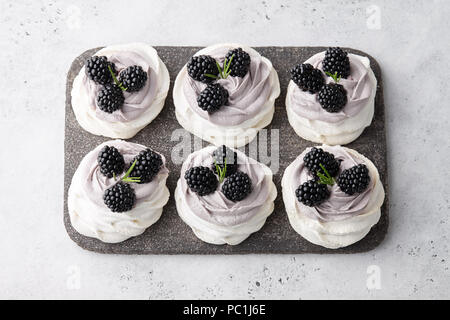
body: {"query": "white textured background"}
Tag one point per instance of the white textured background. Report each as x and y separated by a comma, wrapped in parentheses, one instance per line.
(39, 40)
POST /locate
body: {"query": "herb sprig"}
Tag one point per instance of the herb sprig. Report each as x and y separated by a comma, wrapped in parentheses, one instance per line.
(325, 178)
(127, 178)
(334, 76)
(223, 73)
(116, 81)
(220, 171)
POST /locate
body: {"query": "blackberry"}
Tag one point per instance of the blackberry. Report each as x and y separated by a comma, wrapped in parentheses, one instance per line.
(201, 180)
(198, 66)
(148, 164)
(97, 69)
(332, 97)
(354, 180)
(237, 186)
(133, 78)
(220, 155)
(110, 98)
(212, 97)
(240, 64)
(120, 197)
(311, 193)
(110, 161)
(317, 156)
(336, 60)
(307, 78)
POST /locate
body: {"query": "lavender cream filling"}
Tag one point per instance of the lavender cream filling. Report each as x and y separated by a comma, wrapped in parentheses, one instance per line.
(247, 95)
(358, 85)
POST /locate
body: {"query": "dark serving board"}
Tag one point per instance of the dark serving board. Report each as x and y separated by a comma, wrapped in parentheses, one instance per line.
(170, 235)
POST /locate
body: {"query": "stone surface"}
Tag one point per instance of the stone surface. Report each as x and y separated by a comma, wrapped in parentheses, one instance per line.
(40, 39)
(170, 235)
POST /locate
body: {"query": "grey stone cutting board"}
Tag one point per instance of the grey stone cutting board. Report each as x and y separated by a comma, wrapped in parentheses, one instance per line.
(170, 235)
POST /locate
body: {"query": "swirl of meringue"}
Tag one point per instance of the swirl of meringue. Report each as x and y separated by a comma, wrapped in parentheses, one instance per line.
(91, 217)
(246, 95)
(139, 108)
(250, 106)
(358, 85)
(215, 207)
(339, 205)
(342, 219)
(216, 219)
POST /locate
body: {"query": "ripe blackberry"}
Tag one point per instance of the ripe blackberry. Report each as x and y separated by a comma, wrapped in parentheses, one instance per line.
(110, 98)
(133, 78)
(201, 180)
(332, 97)
(220, 155)
(240, 64)
(97, 69)
(307, 78)
(198, 66)
(120, 197)
(317, 156)
(237, 186)
(354, 180)
(147, 165)
(110, 161)
(336, 60)
(311, 193)
(212, 97)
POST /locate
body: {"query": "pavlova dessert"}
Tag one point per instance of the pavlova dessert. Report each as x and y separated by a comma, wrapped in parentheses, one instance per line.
(332, 195)
(120, 90)
(118, 191)
(225, 94)
(223, 195)
(331, 97)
